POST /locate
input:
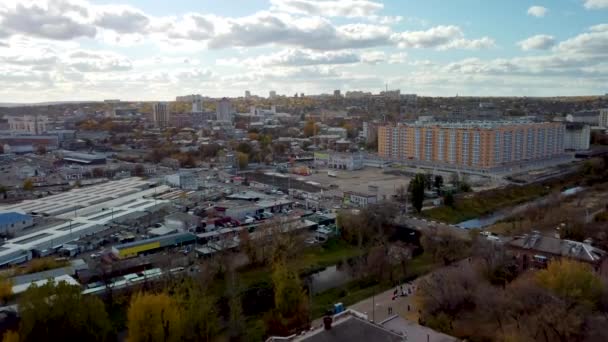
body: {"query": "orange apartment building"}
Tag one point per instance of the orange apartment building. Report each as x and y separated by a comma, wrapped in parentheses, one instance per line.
(471, 144)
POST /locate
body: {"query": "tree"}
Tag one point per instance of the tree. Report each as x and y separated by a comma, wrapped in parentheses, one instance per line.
(571, 280)
(236, 325)
(443, 246)
(416, 190)
(10, 336)
(6, 289)
(60, 312)
(28, 185)
(438, 183)
(401, 193)
(290, 300)
(153, 317)
(448, 199)
(309, 128)
(242, 160)
(199, 312)
(97, 172)
(139, 170)
(41, 149)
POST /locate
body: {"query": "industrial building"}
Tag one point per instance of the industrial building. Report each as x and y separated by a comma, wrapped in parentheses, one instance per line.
(12, 222)
(481, 145)
(135, 248)
(85, 211)
(84, 158)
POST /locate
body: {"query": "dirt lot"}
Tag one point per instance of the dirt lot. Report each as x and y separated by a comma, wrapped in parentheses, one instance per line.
(360, 181)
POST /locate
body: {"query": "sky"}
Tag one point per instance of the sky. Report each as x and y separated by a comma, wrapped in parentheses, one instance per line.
(77, 50)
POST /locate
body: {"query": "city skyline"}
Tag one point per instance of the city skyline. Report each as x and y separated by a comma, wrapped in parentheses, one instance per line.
(56, 50)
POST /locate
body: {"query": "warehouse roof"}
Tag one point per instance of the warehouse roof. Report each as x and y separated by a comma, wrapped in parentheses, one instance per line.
(11, 217)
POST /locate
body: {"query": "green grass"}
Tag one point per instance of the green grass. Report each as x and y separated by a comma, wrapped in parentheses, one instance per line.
(360, 289)
(486, 202)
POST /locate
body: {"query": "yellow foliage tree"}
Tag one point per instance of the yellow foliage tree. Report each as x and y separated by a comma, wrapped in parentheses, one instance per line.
(153, 317)
(571, 280)
(6, 289)
(10, 336)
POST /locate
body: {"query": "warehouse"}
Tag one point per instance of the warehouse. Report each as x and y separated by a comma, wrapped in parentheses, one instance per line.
(13, 222)
(87, 211)
(133, 249)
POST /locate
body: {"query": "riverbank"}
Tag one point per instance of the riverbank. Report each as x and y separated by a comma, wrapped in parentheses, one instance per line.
(472, 206)
(360, 289)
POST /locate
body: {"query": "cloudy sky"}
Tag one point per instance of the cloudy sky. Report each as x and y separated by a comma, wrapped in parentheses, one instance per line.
(53, 50)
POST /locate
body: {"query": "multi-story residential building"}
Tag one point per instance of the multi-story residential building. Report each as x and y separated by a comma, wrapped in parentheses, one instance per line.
(224, 110)
(577, 136)
(603, 117)
(272, 94)
(471, 144)
(590, 117)
(34, 124)
(160, 114)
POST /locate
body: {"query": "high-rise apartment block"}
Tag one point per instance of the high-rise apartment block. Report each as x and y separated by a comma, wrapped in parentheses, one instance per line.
(272, 95)
(604, 117)
(224, 110)
(471, 144)
(160, 114)
(197, 105)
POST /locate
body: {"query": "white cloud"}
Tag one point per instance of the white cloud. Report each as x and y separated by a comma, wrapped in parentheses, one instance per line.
(440, 37)
(328, 8)
(60, 20)
(537, 11)
(593, 43)
(317, 33)
(397, 58)
(537, 42)
(122, 19)
(596, 4)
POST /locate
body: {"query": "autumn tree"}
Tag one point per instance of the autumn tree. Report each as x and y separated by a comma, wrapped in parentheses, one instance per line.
(153, 317)
(416, 190)
(60, 312)
(6, 289)
(28, 185)
(443, 246)
(572, 281)
(10, 336)
(290, 300)
(242, 160)
(200, 317)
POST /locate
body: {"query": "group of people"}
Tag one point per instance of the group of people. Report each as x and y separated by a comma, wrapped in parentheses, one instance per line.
(401, 291)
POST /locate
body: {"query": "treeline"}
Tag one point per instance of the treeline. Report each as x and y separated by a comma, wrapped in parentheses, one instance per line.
(487, 299)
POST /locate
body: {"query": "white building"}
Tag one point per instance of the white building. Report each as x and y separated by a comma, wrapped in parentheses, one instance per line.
(590, 117)
(197, 105)
(34, 124)
(577, 136)
(272, 94)
(359, 199)
(603, 117)
(247, 94)
(224, 110)
(160, 114)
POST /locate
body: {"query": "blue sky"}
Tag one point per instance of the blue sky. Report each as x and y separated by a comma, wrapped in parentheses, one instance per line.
(155, 50)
